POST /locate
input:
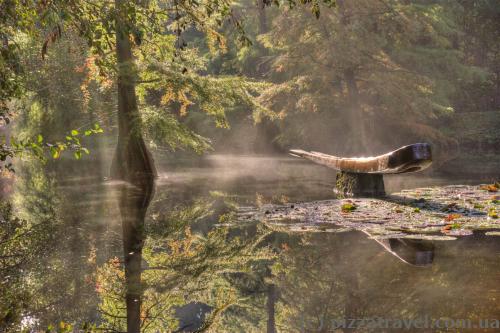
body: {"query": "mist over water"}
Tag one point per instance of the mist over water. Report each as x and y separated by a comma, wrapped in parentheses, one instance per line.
(339, 275)
(153, 152)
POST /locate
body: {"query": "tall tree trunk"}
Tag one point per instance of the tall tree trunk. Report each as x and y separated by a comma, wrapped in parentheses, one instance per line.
(132, 158)
(133, 163)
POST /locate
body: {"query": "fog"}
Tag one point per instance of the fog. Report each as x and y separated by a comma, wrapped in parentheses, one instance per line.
(147, 183)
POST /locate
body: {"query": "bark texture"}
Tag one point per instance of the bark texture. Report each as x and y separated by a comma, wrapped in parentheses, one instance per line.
(132, 158)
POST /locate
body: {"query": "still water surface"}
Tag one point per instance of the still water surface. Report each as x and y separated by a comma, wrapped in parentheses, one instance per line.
(191, 264)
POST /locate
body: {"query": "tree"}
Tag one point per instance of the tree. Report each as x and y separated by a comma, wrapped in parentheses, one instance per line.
(120, 32)
(371, 65)
(479, 42)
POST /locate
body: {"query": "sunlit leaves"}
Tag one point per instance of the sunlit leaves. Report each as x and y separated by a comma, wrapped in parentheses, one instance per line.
(391, 56)
(213, 95)
(36, 147)
(165, 130)
(156, 29)
(96, 130)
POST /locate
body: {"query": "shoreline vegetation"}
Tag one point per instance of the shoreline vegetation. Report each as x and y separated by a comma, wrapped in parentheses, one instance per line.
(145, 184)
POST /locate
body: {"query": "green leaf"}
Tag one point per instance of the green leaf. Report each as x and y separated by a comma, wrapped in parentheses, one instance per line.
(74, 132)
(78, 154)
(40, 138)
(348, 207)
(86, 151)
(88, 132)
(55, 152)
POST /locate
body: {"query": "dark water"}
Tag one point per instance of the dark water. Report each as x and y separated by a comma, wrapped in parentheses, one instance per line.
(189, 264)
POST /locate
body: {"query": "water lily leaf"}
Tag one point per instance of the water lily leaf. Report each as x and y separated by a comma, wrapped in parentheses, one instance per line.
(348, 207)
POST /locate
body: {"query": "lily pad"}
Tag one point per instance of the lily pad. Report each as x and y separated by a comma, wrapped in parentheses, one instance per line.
(445, 213)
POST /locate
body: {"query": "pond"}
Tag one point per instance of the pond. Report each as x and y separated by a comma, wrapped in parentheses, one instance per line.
(182, 261)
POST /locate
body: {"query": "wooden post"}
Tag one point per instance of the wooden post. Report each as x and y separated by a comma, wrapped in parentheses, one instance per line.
(360, 184)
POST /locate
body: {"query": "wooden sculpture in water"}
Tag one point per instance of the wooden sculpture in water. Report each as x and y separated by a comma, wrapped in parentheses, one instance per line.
(363, 176)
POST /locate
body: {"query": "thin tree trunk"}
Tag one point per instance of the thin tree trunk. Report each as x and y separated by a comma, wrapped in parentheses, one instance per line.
(132, 158)
(271, 303)
(77, 248)
(356, 117)
(496, 101)
(266, 130)
(261, 6)
(356, 121)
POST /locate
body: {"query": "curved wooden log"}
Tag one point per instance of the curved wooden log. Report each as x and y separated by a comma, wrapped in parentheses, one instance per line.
(363, 176)
(411, 158)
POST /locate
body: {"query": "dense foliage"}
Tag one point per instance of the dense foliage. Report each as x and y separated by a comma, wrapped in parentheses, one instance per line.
(345, 77)
(411, 66)
(371, 75)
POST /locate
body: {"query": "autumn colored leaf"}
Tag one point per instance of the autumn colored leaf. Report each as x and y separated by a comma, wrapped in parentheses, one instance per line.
(446, 228)
(490, 187)
(452, 217)
(449, 227)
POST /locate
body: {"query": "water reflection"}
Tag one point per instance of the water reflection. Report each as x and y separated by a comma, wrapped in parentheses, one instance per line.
(328, 276)
(110, 256)
(134, 201)
(415, 252)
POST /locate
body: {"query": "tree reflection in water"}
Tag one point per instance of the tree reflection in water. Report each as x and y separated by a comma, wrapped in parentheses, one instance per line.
(134, 201)
(191, 264)
(177, 266)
